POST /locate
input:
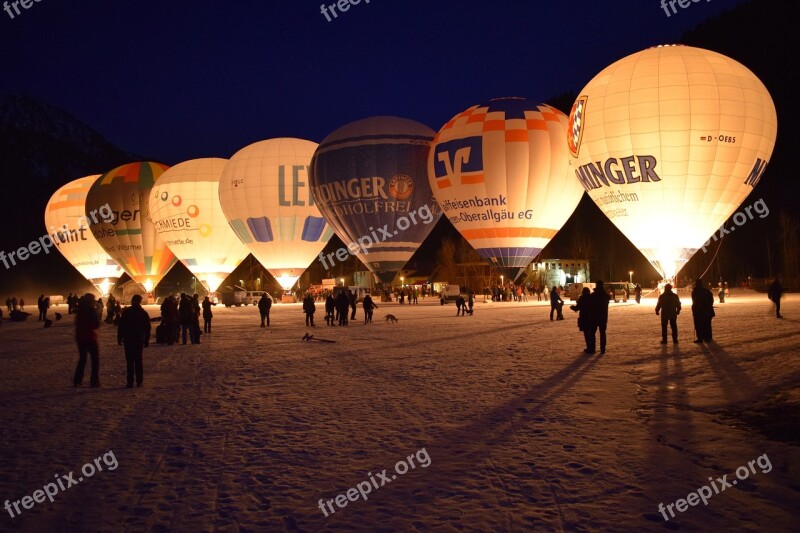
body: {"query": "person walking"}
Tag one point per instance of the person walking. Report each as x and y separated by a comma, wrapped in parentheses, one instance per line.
(86, 324)
(460, 306)
(669, 306)
(583, 306)
(134, 333)
(330, 310)
(264, 305)
(600, 299)
(637, 291)
(774, 293)
(702, 312)
(207, 314)
(556, 304)
(309, 308)
(369, 306)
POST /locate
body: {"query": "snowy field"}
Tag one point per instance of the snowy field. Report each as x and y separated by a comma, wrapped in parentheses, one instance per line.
(250, 429)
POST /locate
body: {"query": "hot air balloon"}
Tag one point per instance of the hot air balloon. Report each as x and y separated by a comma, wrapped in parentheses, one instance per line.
(130, 237)
(499, 171)
(265, 196)
(668, 142)
(185, 208)
(369, 179)
(72, 234)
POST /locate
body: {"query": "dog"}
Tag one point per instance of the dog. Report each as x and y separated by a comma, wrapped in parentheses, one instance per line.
(48, 323)
(390, 318)
(58, 316)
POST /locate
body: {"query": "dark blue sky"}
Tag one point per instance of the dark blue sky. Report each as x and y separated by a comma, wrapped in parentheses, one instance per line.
(175, 80)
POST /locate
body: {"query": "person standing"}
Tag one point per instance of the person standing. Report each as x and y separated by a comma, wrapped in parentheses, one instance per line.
(637, 291)
(470, 301)
(600, 299)
(39, 304)
(342, 306)
(309, 308)
(195, 329)
(583, 306)
(669, 306)
(86, 324)
(134, 334)
(207, 314)
(22, 304)
(774, 293)
(264, 305)
(702, 311)
(556, 304)
(721, 293)
(369, 307)
(111, 303)
(460, 305)
(351, 295)
(185, 316)
(330, 310)
(98, 309)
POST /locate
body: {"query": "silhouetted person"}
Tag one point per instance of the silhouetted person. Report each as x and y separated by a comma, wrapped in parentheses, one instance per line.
(309, 309)
(583, 306)
(22, 304)
(702, 312)
(600, 299)
(369, 306)
(111, 303)
(134, 334)
(207, 314)
(721, 293)
(342, 306)
(470, 301)
(195, 329)
(353, 304)
(461, 306)
(39, 304)
(556, 303)
(186, 317)
(637, 291)
(264, 305)
(669, 306)
(170, 319)
(330, 310)
(774, 293)
(86, 324)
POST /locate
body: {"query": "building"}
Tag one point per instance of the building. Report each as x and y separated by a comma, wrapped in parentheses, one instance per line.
(558, 272)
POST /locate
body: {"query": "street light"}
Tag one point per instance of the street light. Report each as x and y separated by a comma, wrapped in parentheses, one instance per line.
(630, 276)
(342, 280)
(402, 281)
(501, 281)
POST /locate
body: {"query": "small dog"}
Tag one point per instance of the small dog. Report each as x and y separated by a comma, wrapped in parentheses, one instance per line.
(58, 316)
(390, 318)
(48, 323)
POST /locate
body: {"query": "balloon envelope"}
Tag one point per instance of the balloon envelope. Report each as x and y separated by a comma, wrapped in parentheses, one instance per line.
(369, 179)
(185, 208)
(668, 142)
(499, 171)
(66, 222)
(266, 198)
(129, 236)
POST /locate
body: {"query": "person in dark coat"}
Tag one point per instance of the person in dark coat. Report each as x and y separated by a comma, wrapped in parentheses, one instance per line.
(600, 299)
(86, 324)
(39, 304)
(207, 314)
(637, 291)
(369, 307)
(702, 312)
(470, 302)
(556, 304)
(195, 329)
(583, 306)
(330, 310)
(264, 305)
(185, 316)
(461, 306)
(774, 293)
(170, 318)
(342, 307)
(134, 334)
(669, 306)
(309, 308)
(721, 293)
(353, 304)
(111, 303)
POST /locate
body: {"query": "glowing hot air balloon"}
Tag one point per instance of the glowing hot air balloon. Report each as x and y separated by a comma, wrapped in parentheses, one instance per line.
(265, 196)
(185, 208)
(130, 237)
(370, 181)
(499, 171)
(72, 234)
(668, 142)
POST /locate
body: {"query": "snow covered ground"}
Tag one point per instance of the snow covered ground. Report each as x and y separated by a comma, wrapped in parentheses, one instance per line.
(250, 429)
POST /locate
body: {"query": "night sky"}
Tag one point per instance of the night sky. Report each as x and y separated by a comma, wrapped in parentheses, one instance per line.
(179, 80)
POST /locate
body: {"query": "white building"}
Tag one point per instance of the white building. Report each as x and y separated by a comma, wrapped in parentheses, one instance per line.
(558, 271)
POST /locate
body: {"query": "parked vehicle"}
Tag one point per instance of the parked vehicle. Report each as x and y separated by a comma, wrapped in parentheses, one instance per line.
(617, 290)
(575, 290)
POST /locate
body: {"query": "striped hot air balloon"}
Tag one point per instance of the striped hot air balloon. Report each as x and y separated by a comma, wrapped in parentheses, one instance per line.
(130, 236)
(65, 218)
(499, 172)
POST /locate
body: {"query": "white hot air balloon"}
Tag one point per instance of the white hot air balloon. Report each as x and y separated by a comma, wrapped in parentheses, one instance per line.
(65, 218)
(265, 194)
(668, 142)
(185, 209)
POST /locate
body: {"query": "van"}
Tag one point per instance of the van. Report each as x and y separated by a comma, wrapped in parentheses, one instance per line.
(576, 289)
(620, 291)
(450, 293)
